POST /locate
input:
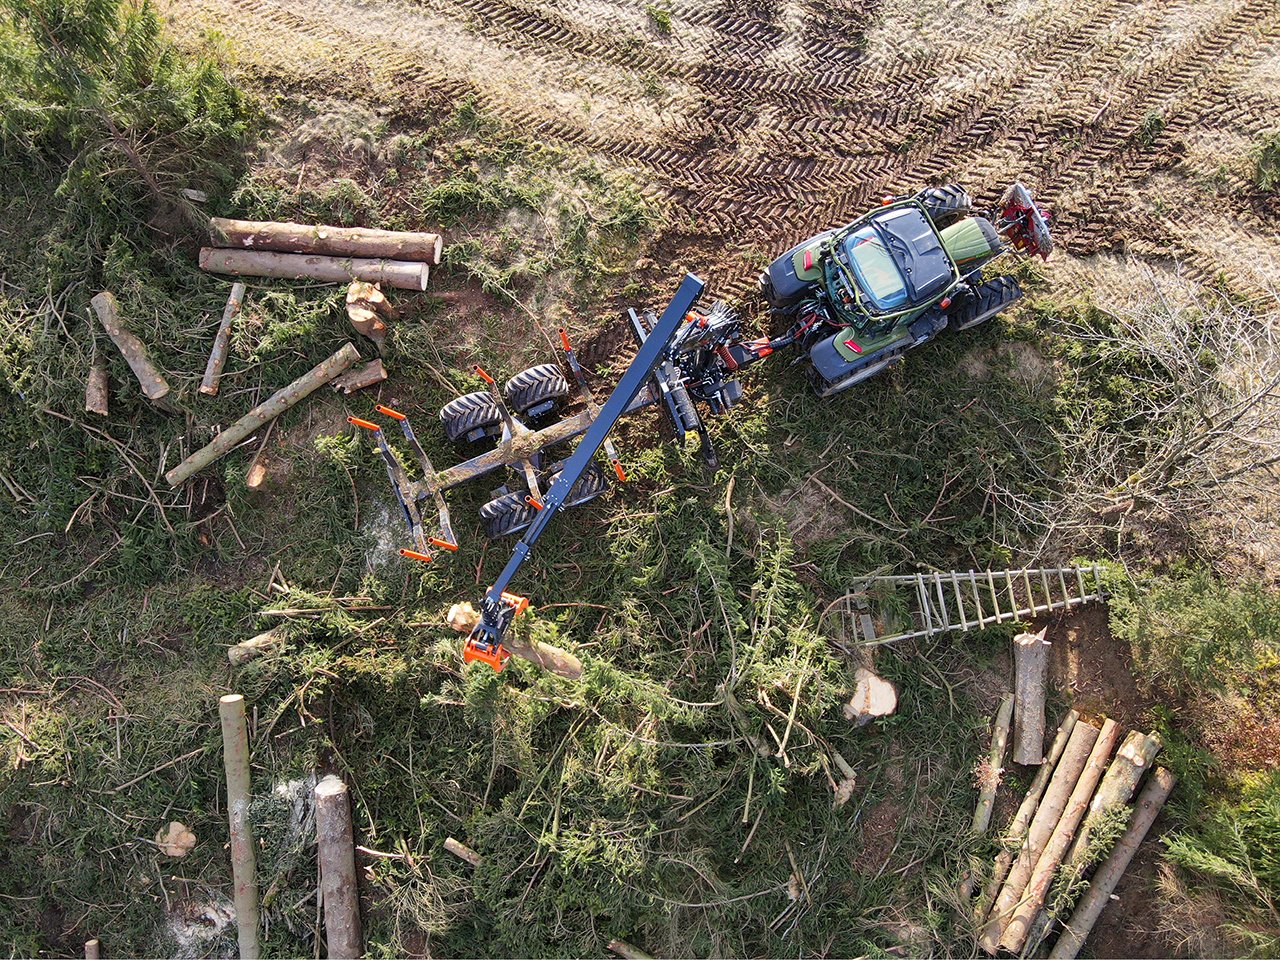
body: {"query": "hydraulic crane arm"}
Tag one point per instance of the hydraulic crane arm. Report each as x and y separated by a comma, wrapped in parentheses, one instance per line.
(499, 608)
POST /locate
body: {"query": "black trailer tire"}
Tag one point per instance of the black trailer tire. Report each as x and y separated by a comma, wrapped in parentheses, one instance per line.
(506, 515)
(536, 387)
(988, 299)
(468, 413)
(946, 204)
(590, 485)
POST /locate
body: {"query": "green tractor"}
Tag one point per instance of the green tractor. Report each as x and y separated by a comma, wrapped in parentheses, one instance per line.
(862, 295)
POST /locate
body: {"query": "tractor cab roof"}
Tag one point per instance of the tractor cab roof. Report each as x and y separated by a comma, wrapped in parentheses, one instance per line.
(896, 257)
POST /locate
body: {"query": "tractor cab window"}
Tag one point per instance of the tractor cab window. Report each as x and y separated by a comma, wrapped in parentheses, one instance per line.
(874, 269)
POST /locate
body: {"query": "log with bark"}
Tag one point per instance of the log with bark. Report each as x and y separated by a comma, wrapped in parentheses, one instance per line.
(368, 311)
(405, 274)
(1037, 889)
(1030, 667)
(235, 757)
(1112, 869)
(258, 646)
(463, 617)
(358, 378)
(92, 949)
(95, 387)
(154, 386)
(335, 847)
(627, 951)
(1132, 760)
(326, 240)
(1022, 819)
(462, 851)
(1065, 776)
(221, 340)
(264, 412)
(989, 778)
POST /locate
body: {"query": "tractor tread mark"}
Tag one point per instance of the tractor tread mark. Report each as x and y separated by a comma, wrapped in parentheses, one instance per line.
(471, 411)
(536, 385)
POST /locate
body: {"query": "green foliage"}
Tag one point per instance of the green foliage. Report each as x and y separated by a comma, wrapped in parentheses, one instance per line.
(1235, 847)
(1266, 162)
(660, 17)
(1194, 631)
(1150, 128)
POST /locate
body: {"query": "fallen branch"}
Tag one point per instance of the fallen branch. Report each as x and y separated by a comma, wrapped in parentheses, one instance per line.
(154, 386)
(990, 777)
(218, 355)
(360, 377)
(1112, 869)
(627, 951)
(462, 851)
(268, 410)
(263, 643)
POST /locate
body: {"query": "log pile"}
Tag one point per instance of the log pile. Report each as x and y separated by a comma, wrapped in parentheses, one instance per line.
(249, 248)
(1054, 839)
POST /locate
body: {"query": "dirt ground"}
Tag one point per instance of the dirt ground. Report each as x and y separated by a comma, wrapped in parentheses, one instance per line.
(764, 120)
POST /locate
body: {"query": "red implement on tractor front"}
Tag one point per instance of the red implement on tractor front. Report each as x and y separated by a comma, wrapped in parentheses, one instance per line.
(1023, 223)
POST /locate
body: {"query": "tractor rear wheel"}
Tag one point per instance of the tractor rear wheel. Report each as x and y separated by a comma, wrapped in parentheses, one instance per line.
(590, 485)
(536, 392)
(990, 298)
(945, 204)
(472, 416)
(506, 515)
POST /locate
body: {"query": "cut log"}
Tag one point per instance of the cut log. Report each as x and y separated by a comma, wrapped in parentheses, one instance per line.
(92, 949)
(1132, 760)
(368, 295)
(1030, 667)
(154, 386)
(1022, 819)
(361, 377)
(1074, 757)
(95, 387)
(331, 241)
(989, 778)
(218, 355)
(405, 274)
(1112, 869)
(462, 851)
(262, 644)
(1037, 889)
(256, 475)
(463, 617)
(235, 758)
(872, 697)
(335, 848)
(627, 952)
(264, 412)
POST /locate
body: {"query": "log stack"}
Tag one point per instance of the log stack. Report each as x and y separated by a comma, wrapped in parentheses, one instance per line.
(1053, 840)
(253, 248)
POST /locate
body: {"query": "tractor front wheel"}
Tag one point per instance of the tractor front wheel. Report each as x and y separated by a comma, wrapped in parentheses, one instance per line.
(946, 204)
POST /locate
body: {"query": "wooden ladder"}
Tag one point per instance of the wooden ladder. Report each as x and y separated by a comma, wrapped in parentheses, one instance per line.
(918, 605)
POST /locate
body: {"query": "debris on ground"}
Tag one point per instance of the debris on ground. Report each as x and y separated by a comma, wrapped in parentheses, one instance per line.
(873, 697)
(176, 840)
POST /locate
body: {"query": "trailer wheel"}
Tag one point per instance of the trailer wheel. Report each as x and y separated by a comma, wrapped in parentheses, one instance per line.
(590, 485)
(472, 416)
(537, 391)
(506, 515)
(945, 204)
(990, 298)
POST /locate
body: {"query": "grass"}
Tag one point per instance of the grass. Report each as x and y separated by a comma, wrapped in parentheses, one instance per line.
(651, 801)
(1266, 162)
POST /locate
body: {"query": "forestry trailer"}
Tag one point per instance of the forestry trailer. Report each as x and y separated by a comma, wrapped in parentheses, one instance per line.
(853, 299)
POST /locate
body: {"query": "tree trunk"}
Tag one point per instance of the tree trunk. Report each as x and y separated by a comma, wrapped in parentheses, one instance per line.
(405, 274)
(361, 377)
(264, 412)
(218, 355)
(1022, 819)
(1030, 665)
(1074, 757)
(995, 766)
(330, 241)
(153, 383)
(1112, 869)
(235, 758)
(1033, 897)
(337, 856)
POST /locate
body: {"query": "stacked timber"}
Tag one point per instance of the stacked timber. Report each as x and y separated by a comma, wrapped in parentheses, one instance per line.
(252, 248)
(1055, 838)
